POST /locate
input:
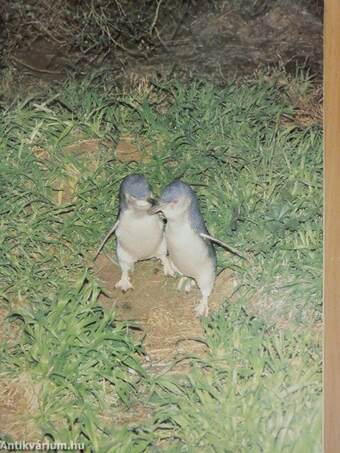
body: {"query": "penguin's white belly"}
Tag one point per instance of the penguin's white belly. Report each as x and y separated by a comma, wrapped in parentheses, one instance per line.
(140, 236)
(188, 251)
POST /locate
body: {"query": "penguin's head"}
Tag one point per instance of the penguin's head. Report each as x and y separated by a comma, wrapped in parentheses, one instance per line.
(176, 198)
(135, 194)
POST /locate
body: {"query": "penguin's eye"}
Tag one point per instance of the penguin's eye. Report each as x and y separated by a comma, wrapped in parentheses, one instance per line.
(131, 198)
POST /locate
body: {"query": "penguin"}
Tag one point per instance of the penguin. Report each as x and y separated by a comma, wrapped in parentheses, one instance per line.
(189, 244)
(140, 235)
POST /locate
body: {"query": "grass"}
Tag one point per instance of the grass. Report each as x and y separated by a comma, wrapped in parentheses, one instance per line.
(259, 179)
(249, 393)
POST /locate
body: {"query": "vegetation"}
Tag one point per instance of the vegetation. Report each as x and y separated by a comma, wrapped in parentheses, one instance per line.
(258, 174)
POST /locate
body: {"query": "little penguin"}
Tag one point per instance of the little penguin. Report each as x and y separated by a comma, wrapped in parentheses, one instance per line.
(140, 235)
(190, 249)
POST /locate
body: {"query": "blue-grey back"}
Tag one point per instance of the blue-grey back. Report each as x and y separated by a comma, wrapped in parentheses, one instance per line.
(198, 225)
(177, 189)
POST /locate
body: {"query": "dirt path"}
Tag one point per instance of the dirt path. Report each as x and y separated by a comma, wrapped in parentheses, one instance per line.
(165, 315)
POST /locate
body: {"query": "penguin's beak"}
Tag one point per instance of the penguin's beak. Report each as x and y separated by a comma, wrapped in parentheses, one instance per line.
(152, 201)
(156, 208)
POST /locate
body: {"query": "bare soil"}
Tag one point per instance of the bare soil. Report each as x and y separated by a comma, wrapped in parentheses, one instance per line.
(165, 315)
(18, 404)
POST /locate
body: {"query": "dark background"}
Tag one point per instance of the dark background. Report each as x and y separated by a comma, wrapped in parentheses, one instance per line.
(45, 40)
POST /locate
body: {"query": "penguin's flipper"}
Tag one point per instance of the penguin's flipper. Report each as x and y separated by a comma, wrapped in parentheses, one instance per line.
(105, 239)
(223, 244)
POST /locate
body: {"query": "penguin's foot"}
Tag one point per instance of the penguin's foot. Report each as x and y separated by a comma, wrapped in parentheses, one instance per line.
(124, 284)
(202, 309)
(167, 266)
(181, 283)
(185, 283)
(189, 284)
